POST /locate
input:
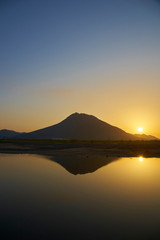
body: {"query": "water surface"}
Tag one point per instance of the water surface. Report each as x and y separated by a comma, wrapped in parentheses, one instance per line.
(55, 198)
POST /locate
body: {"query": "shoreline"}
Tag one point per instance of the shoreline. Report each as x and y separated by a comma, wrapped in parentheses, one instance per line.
(88, 148)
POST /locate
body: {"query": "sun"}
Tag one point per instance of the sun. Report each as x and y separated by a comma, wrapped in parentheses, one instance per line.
(140, 129)
(141, 159)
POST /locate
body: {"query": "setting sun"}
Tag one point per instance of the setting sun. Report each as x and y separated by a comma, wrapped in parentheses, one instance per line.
(141, 159)
(140, 129)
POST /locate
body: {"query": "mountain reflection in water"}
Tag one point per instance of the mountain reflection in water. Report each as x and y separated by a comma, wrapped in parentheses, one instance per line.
(82, 164)
(41, 200)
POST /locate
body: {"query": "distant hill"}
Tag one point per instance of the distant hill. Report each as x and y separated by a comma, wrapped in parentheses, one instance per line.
(145, 137)
(4, 133)
(80, 126)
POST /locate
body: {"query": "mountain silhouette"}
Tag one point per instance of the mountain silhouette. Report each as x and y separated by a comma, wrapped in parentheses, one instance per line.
(82, 127)
(78, 126)
(145, 137)
(4, 133)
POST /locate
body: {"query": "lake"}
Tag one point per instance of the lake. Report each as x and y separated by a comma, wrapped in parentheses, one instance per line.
(46, 197)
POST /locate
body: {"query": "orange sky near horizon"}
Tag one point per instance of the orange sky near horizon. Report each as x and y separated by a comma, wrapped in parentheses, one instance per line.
(102, 59)
(125, 112)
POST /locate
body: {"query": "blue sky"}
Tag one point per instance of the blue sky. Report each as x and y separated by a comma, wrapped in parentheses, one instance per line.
(99, 57)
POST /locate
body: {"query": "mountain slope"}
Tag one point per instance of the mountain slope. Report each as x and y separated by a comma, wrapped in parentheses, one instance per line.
(80, 126)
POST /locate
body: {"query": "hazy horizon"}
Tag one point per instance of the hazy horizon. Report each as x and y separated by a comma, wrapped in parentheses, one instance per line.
(101, 58)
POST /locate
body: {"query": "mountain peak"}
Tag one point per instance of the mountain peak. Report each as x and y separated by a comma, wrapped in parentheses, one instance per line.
(74, 115)
(77, 115)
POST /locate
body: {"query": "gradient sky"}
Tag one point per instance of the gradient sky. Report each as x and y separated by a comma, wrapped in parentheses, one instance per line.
(100, 57)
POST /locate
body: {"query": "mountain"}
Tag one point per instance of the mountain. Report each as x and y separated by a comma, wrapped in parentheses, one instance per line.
(145, 137)
(80, 126)
(4, 133)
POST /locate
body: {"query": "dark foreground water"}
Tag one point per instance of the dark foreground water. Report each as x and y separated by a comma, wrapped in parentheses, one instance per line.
(44, 199)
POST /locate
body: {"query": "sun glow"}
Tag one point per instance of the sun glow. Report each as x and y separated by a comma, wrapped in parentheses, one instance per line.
(141, 159)
(140, 129)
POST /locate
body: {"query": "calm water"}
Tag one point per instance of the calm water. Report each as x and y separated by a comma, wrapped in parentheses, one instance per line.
(51, 198)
